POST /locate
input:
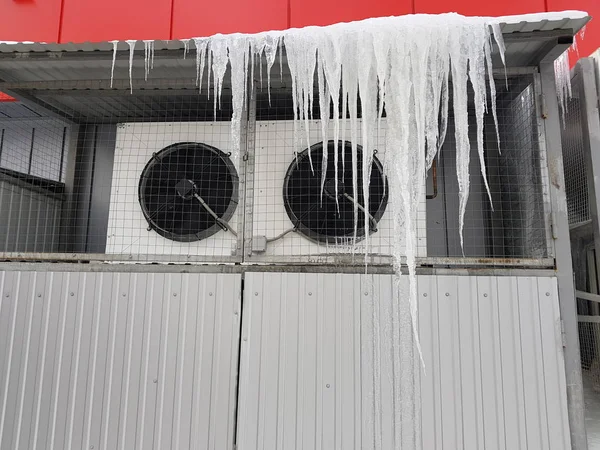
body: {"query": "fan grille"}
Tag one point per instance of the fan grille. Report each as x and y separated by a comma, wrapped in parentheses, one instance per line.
(317, 215)
(186, 189)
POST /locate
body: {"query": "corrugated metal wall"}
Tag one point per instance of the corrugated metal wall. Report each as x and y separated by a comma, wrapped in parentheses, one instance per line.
(320, 359)
(118, 361)
(30, 220)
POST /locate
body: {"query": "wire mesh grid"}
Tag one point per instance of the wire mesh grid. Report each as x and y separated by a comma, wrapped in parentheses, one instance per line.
(148, 176)
(589, 344)
(576, 185)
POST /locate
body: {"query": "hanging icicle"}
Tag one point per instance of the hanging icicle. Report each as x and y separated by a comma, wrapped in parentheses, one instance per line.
(131, 53)
(114, 60)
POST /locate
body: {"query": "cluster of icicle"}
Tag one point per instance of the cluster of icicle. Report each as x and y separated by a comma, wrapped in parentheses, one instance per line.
(402, 63)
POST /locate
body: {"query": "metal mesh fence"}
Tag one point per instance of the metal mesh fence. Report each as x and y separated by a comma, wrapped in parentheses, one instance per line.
(148, 175)
(576, 186)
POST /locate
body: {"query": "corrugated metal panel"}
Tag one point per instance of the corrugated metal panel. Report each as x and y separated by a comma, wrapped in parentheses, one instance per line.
(109, 360)
(321, 357)
(29, 220)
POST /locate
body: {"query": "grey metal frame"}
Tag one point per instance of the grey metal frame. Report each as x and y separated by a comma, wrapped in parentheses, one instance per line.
(562, 252)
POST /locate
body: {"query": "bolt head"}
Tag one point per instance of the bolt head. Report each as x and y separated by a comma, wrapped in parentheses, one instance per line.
(447, 294)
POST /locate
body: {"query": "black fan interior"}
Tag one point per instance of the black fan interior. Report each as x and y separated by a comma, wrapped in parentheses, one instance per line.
(319, 218)
(177, 180)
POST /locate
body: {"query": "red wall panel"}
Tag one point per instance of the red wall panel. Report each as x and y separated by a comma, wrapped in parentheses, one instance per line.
(106, 20)
(29, 20)
(193, 18)
(480, 8)
(326, 12)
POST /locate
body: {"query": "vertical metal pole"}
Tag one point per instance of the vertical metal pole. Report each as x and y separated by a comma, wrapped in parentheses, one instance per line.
(249, 172)
(562, 253)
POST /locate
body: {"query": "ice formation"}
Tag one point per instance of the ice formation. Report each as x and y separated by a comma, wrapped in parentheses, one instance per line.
(401, 63)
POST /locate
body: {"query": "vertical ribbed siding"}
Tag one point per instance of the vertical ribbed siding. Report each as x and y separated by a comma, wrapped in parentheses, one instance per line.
(118, 361)
(320, 363)
(28, 220)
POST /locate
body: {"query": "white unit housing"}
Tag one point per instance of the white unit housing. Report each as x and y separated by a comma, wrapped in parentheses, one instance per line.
(276, 146)
(128, 230)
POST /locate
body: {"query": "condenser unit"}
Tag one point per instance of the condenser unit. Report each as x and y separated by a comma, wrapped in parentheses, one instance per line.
(174, 190)
(296, 213)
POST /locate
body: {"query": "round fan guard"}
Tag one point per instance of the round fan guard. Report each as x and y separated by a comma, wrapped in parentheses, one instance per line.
(316, 216)
(175, 183)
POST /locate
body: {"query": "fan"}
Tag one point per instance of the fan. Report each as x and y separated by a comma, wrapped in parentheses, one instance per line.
(317, 216)
(188, 191)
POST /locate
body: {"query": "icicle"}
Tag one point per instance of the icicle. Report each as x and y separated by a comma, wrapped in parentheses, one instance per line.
(186, 47)
(324, 114)
(492, 84)
(147, 58)
(477, 69)
(459, 60)
(271, 45)
(367, 86)
(220, 58)
(562, 75)
(131, 52)
(301, 49)
(114, 60)
(330, 59)
(201, 45)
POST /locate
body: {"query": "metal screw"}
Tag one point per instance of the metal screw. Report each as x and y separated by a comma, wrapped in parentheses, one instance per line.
(547, 294)
(245, 339)
(39, 295)
(123, 294)
(447, 294)
(155, 380)
(366, 293)
(310, 293)
(72, 294)
(174, 294)
(256, 294)
(485, 295)
(327, 385)
(425, 294)
(210, 294)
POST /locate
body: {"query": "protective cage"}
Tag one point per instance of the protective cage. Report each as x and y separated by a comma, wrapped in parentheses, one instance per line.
(90, 172)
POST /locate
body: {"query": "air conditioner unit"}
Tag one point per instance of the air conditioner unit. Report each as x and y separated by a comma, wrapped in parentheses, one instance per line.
(174, 190)
(288, 195)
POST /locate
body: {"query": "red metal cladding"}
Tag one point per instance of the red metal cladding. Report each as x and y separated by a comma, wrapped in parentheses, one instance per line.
(192, 18)
(30, 20)
(96, 21)
(327, 12)
(480, 8)
(6, 98)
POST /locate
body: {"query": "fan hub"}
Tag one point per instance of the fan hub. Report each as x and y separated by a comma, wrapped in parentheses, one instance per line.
(186, 189)
(329, 189)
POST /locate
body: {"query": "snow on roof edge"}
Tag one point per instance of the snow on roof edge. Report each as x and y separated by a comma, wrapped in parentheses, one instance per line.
(501, 20)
